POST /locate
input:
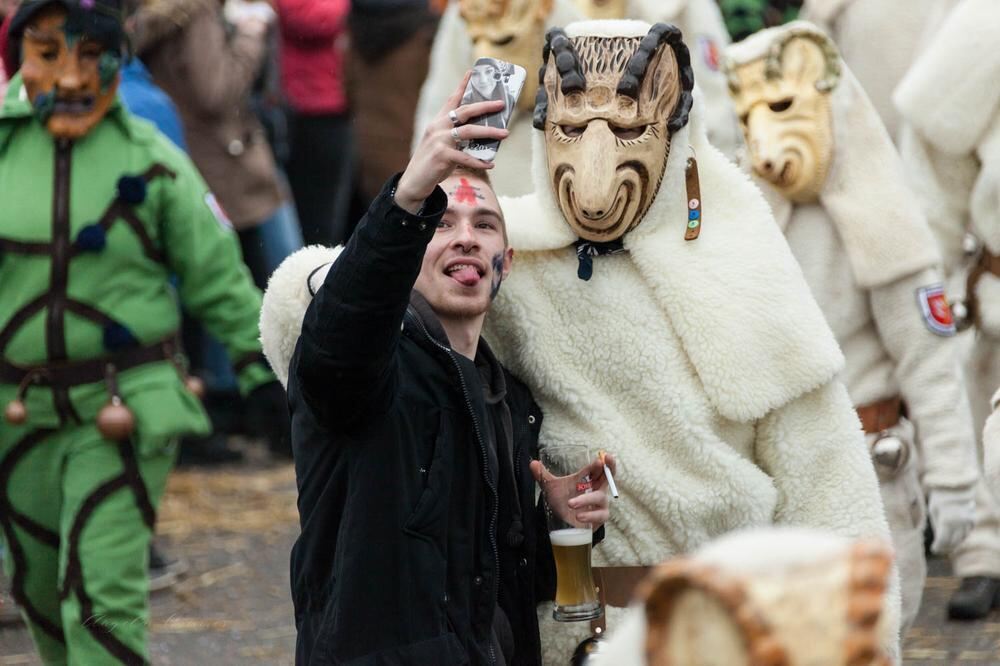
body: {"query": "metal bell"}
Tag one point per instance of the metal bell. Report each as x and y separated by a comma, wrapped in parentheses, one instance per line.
(15, 413)
(970, 245)
(888, 452)
(115, 421)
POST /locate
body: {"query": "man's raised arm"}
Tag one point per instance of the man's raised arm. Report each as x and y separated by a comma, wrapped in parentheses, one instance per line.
(345, 361)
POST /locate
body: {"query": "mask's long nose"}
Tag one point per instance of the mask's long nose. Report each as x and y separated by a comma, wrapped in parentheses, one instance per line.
(596, 181)
(763, 136)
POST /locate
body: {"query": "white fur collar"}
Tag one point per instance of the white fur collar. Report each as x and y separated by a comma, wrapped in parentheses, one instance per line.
(735, 296)
(952, 91)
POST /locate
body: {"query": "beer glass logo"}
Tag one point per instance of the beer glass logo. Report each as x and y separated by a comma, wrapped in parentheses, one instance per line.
(568, 475)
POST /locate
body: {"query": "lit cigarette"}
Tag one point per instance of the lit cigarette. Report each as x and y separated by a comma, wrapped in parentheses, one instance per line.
(607, 474)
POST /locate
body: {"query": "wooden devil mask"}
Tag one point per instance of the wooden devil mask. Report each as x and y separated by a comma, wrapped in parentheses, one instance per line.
(70, 56)
(609, 106)
(783, 102)
(511, 30)
(602, 9)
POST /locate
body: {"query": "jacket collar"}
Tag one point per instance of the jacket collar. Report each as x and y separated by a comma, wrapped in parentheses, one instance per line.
(485, 360)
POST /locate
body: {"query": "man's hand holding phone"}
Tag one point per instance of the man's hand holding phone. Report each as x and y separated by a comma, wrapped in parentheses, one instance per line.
(439, 151)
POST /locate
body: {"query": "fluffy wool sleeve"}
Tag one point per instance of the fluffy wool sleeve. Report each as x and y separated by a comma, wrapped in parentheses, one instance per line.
(928, 369)
(815, 453)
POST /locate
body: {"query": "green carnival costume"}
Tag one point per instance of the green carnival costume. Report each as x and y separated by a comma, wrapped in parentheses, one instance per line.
(91, 232)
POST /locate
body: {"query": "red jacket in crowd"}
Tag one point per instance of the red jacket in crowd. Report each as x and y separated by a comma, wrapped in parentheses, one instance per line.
(313, 46)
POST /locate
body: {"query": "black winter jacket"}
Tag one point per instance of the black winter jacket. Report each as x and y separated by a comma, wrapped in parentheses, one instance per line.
(407, 545)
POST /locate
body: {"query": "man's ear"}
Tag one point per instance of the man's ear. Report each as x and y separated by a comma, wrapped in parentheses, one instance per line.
(508, 260)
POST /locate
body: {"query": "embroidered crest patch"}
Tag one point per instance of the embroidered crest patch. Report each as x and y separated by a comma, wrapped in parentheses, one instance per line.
(220, 215)
(709, 52)
(934, 307)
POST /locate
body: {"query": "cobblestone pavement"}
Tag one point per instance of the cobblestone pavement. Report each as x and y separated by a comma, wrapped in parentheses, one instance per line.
(236, 527)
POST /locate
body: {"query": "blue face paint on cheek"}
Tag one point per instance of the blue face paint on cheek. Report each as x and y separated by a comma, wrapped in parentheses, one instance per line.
(43, 105)
(107, 68)
(497, 274)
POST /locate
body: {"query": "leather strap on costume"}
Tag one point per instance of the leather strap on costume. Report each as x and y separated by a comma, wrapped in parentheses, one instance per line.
(615, 587)
(988, 263)
(74, 373)
(879, 416)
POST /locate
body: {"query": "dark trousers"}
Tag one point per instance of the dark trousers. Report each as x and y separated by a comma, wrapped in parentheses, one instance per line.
(321, 174)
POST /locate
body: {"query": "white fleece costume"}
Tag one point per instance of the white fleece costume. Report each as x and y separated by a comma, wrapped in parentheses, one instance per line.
(451, 56)
(866, 252)
(878, 39)
(705, 366)
(950, 143)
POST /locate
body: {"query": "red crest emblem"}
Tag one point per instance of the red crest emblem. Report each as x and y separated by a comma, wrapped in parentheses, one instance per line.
(709, 52)
(935, 309)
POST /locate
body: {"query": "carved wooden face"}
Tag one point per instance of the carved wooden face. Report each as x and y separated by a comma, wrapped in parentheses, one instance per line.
(511, 30)
(70, 79)
(602, 9)
(820, 605)
(786, 118)
(607, 150)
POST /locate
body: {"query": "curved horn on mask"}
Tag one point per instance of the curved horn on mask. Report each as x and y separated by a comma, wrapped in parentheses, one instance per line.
(568, 66)
(773, 62)
(572, 78)
(638, 64)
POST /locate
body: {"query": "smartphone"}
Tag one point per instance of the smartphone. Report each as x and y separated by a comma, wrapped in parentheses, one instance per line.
(492, 79)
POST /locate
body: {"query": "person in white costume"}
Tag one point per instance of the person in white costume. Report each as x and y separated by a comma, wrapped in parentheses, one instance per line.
(878, 39)
(839, 194)
(689, 345)
(704, 31)
(511, 30)
(950, 142)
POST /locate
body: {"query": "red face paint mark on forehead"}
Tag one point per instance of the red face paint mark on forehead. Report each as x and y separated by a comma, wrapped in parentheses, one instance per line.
(466, 193)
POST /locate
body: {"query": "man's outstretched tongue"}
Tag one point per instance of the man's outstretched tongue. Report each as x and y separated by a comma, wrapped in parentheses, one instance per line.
(468, 276)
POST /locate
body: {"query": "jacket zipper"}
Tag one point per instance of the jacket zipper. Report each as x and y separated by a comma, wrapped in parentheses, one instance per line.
(59, 276)
(486, 475)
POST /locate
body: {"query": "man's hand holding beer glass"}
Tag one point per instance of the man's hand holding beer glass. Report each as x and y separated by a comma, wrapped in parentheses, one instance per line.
(574, 486)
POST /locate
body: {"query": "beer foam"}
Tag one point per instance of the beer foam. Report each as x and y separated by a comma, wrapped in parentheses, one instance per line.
(573, 536)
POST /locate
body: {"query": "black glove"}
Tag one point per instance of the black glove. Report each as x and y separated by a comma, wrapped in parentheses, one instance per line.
(267, 418)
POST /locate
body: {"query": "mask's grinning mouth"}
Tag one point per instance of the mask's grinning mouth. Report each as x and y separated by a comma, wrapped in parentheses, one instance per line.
(74, 107)
(617, 214)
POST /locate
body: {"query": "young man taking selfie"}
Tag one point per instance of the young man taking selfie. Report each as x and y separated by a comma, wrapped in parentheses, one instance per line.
(421, 542)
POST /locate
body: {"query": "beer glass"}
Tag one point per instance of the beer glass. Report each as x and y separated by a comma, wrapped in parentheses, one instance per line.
(568, 475)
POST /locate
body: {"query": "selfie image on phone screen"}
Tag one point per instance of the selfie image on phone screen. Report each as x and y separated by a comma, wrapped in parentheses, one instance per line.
(492, 79)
